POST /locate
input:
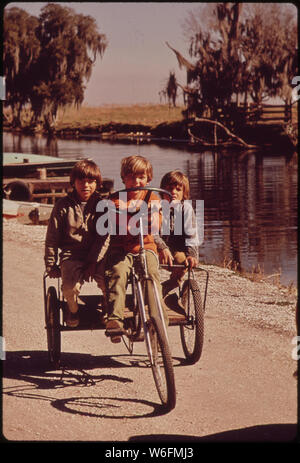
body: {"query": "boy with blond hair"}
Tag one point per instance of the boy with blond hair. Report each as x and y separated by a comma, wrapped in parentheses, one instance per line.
(72, 229)
(136, 171)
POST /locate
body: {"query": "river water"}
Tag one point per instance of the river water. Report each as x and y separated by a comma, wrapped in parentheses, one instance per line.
(250, 198)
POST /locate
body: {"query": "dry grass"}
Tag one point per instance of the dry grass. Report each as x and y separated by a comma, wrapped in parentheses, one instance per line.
(134, 114)
(257, 274)
(92, 117)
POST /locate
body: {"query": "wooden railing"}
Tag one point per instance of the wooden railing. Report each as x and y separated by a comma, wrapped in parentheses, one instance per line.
(270, 114)
(253, 114)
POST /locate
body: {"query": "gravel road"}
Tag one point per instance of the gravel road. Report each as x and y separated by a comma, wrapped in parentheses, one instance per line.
(242, 389)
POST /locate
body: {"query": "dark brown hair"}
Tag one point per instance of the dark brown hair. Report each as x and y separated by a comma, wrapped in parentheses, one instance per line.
(175, 177)
(86, 169)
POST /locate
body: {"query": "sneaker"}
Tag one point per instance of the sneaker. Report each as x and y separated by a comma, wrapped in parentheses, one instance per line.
(72, 319)
(114, 330)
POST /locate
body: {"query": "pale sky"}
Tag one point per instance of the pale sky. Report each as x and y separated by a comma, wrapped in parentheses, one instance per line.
(137, 62)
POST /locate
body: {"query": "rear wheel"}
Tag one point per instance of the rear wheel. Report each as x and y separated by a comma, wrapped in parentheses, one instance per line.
(160, 355)
(52, 326)
(192, 333)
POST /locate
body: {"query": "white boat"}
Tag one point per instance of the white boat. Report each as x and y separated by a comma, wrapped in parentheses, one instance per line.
(26, 212)
(27, 164)
(25, 158)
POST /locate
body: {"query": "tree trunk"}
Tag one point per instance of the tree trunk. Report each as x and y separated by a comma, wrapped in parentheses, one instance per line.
(230, 134)
(16, 114)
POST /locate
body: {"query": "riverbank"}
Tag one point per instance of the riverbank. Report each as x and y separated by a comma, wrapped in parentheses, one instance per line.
(258, 302)
(159, 124)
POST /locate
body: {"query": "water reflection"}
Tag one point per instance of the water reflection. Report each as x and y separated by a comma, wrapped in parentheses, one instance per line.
(250, 199)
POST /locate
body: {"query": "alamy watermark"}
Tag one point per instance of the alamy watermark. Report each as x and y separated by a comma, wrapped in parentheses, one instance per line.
(296, 350)
(177, 218)
(2, 88)
(2, 348)
(295, 94)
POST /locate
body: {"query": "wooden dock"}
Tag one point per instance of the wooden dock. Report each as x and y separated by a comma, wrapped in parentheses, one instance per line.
(35, 166)
(46, 190)
(29, 177)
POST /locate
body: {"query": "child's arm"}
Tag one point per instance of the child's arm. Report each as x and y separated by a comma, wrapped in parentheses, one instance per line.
(52, 244)
(95, 255)
(191, 236)
(165, 255)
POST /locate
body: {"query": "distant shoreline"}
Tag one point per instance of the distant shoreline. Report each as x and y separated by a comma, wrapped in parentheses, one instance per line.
(155, 124)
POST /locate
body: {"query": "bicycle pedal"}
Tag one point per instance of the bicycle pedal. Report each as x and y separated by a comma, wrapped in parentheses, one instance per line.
(139, 338)
(116, 332)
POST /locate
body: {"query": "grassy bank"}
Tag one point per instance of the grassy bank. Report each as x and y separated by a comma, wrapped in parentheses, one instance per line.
(120, 122)
(89, 116)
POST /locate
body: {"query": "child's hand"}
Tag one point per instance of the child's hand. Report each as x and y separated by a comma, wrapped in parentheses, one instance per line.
(89, 271)
(166, 257)
(191, 262)
(54, 272)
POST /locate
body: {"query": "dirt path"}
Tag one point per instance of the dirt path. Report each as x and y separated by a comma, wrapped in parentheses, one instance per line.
(242, 389)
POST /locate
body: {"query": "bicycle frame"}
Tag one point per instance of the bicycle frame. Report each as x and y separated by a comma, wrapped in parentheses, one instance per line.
(137, 283)
(137, 276)
(191, 272)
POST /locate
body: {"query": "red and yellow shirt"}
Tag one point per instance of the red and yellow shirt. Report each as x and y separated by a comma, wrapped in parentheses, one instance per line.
(126, 236)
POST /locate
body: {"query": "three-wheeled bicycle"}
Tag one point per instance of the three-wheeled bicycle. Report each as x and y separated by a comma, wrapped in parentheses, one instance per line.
(144, 319)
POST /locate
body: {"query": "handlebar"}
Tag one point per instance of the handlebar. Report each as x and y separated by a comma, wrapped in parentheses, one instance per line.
(181, 266)
(146, 188)
(138, 188)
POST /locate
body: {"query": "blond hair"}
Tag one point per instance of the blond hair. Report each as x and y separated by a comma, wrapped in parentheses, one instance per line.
(173, 178)
(133, 165)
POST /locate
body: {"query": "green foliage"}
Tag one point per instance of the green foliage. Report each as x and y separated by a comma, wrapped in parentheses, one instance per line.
(48, 59)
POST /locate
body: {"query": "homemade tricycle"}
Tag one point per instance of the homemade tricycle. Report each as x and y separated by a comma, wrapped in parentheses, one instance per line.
(144, 320)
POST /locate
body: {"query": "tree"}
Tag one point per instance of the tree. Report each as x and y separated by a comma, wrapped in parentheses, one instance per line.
(269, 46)
(217, 73)
(238, 51)
(62, 47)
(20, 50)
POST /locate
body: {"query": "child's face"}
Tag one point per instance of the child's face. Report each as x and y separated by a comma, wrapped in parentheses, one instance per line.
(85, 187)
(135, 180)
(176, 192)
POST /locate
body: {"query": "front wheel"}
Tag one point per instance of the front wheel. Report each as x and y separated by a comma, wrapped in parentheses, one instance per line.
(161, 364)
(192, 333)
(52, 326)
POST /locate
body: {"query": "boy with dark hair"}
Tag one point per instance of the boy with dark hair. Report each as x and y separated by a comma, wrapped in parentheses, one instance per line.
(72, 229)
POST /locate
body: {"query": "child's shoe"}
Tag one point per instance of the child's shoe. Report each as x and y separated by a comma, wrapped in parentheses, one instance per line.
(114, 330)
(72, 319)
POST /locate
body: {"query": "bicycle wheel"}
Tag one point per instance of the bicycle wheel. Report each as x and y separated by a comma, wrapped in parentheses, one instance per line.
(162, 366)
(192, 334)
(52, 326)
(161, 359)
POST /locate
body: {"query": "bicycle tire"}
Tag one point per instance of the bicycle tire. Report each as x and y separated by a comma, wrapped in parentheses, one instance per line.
(162, 363)
(52, 326)
(192, 335)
